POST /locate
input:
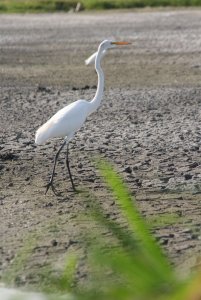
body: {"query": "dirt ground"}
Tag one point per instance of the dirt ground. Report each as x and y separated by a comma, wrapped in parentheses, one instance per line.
(148, 126)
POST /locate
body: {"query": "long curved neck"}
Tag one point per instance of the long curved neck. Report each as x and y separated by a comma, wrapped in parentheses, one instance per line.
(95, 102)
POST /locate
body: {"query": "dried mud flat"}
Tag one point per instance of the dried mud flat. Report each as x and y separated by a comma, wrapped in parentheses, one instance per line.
(148, 126)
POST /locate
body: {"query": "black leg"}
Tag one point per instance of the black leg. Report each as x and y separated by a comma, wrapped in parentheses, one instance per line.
(68, 167)
(50, 184)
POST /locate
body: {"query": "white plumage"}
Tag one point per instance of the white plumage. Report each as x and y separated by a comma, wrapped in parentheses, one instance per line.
(65, 122)
(91, 59)
(70, 118)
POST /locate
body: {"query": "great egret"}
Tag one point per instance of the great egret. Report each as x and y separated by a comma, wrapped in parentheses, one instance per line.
(70, 118)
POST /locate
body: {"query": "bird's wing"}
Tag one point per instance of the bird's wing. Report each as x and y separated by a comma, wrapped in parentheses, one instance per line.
(65, 122)
(91, 59)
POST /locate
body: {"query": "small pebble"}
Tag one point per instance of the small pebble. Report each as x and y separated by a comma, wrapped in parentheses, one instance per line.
(54, 243)
(128, 170)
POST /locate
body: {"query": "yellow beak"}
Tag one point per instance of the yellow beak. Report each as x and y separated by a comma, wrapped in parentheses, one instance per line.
(121, 43)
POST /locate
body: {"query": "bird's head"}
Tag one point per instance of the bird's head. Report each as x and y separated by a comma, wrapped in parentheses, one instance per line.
(108, 44)
(103, 47)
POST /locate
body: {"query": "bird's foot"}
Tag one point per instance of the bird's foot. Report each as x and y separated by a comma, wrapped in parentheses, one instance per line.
(50, 184)
(73, 190)
(73, 186)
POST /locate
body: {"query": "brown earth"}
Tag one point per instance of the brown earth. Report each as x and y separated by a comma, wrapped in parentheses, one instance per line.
(148, 126)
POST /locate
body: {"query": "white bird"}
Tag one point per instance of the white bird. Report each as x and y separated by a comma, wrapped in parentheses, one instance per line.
(69, 119)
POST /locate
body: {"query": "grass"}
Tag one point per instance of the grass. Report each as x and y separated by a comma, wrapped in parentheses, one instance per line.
(11, 276)
(114, 4)
(136, 265)
(127, 264)
(24, 6)
(60, 284)
(30, 6)
(164, 220)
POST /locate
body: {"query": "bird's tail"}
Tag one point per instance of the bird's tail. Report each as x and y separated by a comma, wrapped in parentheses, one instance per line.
(39, 138)
(43, 133)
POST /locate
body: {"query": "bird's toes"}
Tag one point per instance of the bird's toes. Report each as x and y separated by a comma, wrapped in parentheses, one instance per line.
(73, 190)
(50, 184)
(47, 186)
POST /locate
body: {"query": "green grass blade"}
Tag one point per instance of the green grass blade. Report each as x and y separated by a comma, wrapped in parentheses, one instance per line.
(137, 225)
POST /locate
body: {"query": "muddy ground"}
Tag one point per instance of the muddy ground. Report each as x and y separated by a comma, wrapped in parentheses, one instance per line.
(148, 126)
